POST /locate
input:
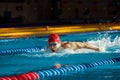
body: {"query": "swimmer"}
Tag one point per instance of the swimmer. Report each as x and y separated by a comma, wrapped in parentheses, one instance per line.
(57, 65)
(55, 44)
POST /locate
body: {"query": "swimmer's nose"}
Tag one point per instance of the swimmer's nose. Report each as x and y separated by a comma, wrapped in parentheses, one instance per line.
(52, 47)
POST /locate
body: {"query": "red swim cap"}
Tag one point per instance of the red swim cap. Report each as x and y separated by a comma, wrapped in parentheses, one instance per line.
(54, 38)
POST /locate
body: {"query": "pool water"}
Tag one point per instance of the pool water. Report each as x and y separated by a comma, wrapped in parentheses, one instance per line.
(12, 64)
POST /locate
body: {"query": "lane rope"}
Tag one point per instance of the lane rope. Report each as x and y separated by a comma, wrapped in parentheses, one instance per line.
(59, 71)
(62, 70)
(22, 50)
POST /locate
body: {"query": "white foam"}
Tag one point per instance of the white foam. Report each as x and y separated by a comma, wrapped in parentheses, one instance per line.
(106, 42)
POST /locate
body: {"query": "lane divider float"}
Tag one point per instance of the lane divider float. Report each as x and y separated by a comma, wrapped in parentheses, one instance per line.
(59, 71)
(22, 50)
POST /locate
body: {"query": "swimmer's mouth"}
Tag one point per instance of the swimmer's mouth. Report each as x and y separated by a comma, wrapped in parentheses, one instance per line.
(53, 50)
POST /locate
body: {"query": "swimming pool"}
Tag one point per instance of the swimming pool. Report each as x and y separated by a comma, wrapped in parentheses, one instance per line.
(37, 60)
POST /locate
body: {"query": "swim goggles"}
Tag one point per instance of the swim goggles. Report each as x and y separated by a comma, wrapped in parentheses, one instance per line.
(53, 44)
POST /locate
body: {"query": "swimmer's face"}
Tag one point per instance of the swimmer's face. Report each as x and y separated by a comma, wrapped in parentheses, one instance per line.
(54, 46)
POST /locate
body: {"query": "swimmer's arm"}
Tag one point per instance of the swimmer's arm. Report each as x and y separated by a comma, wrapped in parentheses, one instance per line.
(88, 46)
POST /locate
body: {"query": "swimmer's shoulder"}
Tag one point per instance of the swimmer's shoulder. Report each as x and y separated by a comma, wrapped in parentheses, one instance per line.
(64, 44)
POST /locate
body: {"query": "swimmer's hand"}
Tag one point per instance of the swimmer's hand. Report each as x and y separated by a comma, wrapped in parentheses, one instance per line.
(101, 49)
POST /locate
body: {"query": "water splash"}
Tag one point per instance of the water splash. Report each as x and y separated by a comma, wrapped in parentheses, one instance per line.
(107, 43)
(111, 45)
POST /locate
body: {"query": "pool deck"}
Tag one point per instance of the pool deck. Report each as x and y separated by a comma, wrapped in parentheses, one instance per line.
(39, 31)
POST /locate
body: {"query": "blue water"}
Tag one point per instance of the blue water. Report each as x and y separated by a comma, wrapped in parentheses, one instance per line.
(12, 64)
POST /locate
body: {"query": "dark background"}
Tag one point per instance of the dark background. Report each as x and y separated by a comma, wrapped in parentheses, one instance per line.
(45, 12)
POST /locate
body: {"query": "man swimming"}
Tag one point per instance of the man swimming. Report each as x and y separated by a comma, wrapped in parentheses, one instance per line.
(55, 44)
